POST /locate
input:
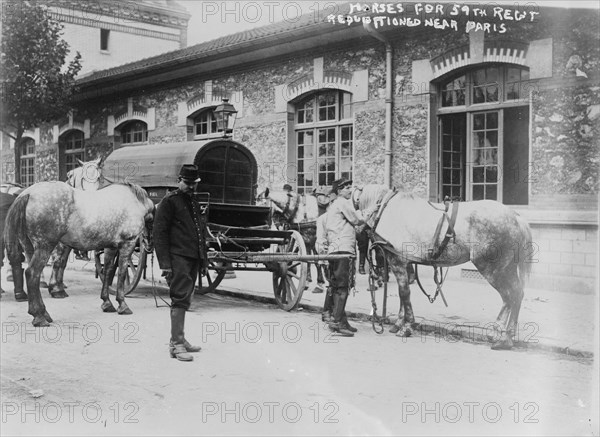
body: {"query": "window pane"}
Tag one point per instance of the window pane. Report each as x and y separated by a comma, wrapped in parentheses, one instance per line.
(478, 174)
(477, 192)
(491, 174)
(478, 121)
(491, 192)
(492, 93)
(491, 119)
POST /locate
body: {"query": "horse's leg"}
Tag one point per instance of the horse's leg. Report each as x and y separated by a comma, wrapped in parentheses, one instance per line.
(406, 317)
(37, 262)
(124, 253)
(56, 286)
(505, 279)
(109, 271)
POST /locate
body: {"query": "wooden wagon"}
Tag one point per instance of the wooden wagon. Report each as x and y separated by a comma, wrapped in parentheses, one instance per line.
(241, 234)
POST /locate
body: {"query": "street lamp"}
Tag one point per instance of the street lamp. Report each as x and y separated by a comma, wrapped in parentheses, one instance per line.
(225, 114)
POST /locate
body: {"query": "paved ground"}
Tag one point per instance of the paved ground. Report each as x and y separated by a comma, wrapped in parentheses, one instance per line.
(263, 371)
(552, 320)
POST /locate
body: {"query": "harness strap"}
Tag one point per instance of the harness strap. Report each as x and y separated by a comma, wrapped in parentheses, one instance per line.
(438, 248)
(384, 202)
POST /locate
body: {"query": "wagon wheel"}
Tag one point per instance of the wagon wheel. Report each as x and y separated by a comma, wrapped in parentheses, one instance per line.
(211, 283)
(290, 276)
(136, 266)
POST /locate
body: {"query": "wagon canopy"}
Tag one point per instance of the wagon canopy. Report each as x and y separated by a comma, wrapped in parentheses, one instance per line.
(228, 169)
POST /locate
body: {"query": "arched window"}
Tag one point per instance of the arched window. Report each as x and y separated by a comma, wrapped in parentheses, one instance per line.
(27, 162)
(483, 134)
(324, 138)
(71, 148)
(205, 124)
(134, 132)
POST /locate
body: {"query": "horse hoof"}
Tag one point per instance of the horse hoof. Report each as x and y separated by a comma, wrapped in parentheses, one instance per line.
(394, 329)
(44, 284)
(407, 332)
(40, 322)
(108, 308)
(47, 317)
(59, 294)
(21, 297)
(125, 311)
(502, 345)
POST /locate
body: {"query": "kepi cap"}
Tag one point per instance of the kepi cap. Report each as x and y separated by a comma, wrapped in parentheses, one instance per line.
(189, 173)
(339, 184)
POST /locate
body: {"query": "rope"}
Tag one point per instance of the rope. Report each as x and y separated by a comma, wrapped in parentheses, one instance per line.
(375, 319)
(154, 285)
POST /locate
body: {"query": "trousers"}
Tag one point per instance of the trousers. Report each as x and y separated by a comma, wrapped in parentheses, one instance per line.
(185, 274)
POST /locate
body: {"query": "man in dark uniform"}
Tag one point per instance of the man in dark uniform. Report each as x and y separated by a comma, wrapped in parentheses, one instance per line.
(180, 244)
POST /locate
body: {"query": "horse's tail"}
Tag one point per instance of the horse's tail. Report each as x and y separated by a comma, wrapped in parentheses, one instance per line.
(526, 250)
(15, 229)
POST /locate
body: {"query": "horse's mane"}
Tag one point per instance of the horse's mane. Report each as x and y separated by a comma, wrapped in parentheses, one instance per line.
(372, 193)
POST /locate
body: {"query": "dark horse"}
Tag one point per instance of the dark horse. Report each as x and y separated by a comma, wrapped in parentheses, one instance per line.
(6, 200)
(487, 233)
(299, 213)
(49, 213)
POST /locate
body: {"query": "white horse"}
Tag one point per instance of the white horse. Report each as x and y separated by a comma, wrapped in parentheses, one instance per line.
(299, 212)
(487, 233)
(86, 178)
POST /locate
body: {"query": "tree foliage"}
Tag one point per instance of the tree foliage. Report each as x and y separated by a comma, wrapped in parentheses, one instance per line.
(37, 84)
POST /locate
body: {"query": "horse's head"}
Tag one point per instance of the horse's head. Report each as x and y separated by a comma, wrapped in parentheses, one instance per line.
(368, 199)
(87, 177)
(285, 203)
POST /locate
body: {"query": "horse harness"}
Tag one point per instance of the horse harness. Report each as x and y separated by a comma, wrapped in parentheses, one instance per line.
(434, 253)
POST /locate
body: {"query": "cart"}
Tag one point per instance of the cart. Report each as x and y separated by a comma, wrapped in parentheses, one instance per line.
(240, 231)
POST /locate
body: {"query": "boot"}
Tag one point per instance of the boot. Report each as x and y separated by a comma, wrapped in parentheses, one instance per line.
(177, 347)
(328, 306)
(191, 348)
(361, 263)
(340, 296)
(20, 295)
(348, 326)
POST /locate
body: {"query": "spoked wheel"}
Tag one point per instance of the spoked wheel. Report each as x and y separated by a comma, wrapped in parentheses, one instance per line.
(290, 277)
(136, 265)
(208, 284)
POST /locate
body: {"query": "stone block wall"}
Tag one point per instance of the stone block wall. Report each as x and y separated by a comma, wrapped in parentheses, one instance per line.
(563, 254)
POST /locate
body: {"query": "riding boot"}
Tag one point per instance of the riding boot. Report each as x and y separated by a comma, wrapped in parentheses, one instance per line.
(340, 296)
(191, 348)
(176, 346)
(20, 295)
(328, 306)
(361, 262)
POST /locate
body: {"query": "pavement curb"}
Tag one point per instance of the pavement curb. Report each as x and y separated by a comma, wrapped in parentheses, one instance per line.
(443, 331)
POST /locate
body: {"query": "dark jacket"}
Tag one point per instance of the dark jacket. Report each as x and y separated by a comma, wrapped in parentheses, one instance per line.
(179, 228)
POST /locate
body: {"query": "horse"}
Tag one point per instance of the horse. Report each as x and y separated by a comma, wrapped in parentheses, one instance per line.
(86, 178)
(6, 200)
(486, 232)
(299, 212)
(48, 213)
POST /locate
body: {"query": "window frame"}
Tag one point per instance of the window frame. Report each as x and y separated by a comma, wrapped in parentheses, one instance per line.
(127, 130)
(210, 122)
(27, 161)
(470, 109)
(66, 152)
(340, 120)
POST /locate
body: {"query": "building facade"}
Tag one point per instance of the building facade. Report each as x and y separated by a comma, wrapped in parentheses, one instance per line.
(507, 115)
